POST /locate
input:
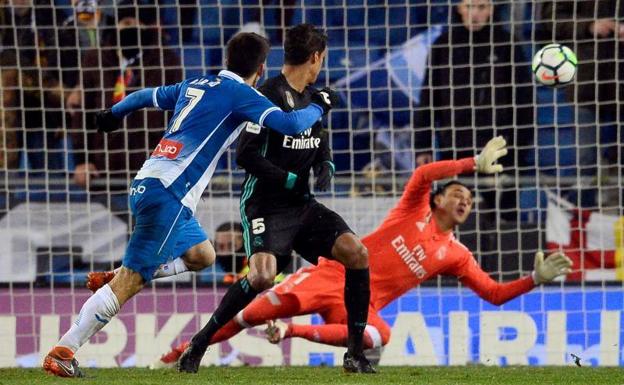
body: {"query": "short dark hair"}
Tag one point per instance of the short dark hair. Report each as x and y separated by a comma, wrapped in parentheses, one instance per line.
(246, 51)
(442, 189)
(301, 41)
(229, 226)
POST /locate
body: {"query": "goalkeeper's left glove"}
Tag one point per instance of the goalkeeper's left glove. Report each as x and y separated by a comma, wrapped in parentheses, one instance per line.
(106, 121)
(556, 264)
(493, 150)
(323, 172)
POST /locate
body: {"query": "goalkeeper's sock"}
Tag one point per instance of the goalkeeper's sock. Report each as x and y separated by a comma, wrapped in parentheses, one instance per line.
(357, 297)
(330, 334)
(94, 315)
(237, 297)
(171, 268)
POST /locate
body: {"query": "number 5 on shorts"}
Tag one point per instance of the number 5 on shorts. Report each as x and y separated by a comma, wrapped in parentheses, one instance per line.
(257, 225)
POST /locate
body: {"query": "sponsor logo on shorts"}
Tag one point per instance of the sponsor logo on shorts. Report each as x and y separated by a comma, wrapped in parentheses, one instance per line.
(168, 148)
(137, 190)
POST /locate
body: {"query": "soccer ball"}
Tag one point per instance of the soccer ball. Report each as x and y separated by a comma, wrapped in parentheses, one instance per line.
(554, 64)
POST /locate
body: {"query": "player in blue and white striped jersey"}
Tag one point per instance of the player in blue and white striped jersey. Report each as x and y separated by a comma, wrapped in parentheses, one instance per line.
(209, 113)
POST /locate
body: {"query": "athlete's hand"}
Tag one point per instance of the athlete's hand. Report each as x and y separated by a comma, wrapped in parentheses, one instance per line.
(326, 99)
(105, 121)
(323, 173)
(556, 264)
(493, 150)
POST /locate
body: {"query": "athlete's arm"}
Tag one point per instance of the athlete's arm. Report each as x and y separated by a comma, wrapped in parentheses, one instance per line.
(164, 97)
(255, 107)
(416, 193)
(249, 156)
(324, 168)
(470, 274)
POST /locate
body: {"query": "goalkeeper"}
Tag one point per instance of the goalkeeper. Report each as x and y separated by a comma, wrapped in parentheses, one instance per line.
(414, 243)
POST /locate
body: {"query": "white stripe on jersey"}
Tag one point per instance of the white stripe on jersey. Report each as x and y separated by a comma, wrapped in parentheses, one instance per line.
(265, 114)
(167, 170)
(192, 197)
(154, 100)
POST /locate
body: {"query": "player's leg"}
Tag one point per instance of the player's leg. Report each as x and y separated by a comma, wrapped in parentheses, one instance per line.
(198, 254)
(158, 218)
(307, 291)
(376, 333)
(349, 250)
(327, 234)
(267, 307)
(262, 272)
(265, 235)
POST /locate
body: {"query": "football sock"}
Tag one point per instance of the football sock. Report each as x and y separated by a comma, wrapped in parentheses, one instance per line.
(239, 295)
(357, 297)
(171, 268)
(94, 315)
(332, 334)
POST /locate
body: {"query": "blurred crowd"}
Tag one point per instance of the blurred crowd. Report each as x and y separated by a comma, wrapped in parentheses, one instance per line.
(62, 62)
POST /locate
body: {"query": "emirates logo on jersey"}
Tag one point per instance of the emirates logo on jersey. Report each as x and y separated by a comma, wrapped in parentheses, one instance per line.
(170, 149)
(412, 258)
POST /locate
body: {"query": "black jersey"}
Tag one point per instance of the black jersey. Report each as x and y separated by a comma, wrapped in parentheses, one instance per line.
(268, 156)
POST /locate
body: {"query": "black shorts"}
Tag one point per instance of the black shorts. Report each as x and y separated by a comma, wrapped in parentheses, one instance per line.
(310, 229)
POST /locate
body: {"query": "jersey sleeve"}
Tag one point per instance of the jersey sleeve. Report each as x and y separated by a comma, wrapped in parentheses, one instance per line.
(416, 193)
(468, 271)
(253, 106)
(135, 101)
(166, 97)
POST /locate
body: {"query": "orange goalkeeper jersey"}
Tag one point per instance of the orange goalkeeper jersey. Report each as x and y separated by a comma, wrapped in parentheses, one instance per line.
(409, 248)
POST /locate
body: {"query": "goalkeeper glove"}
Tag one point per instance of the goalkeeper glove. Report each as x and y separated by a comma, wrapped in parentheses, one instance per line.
(323, 172)
(326, 99)
(106, 121)
(546, 270)
(493, 150)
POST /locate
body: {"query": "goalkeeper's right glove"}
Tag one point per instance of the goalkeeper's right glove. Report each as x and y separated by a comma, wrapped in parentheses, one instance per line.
(485, 162)
(326, 99)
(556, 264)
(106, 121)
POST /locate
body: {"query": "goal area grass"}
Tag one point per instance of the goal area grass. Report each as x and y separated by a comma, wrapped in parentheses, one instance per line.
(469, 375)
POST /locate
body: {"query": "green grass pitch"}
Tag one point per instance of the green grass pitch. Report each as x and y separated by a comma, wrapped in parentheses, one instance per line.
(468, 375)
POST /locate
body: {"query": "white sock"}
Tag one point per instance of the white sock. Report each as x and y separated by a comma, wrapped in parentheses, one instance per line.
(94, 315)
(170, 268)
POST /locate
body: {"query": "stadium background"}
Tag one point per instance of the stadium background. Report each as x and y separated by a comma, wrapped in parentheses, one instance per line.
(53, 231)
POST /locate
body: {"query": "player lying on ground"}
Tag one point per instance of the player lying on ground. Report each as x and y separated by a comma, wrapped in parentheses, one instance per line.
(414, 243)
(209, 113)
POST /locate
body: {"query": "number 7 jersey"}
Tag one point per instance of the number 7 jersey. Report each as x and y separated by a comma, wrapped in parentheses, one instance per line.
(209, 113)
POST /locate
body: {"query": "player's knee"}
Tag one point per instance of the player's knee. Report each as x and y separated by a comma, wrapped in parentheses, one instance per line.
(262, 271)
(357, 257)
(351, 252)
(261, 281)
(199, 256)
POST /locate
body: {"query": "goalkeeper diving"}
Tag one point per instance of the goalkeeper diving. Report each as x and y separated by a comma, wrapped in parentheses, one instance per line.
(414, 243)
